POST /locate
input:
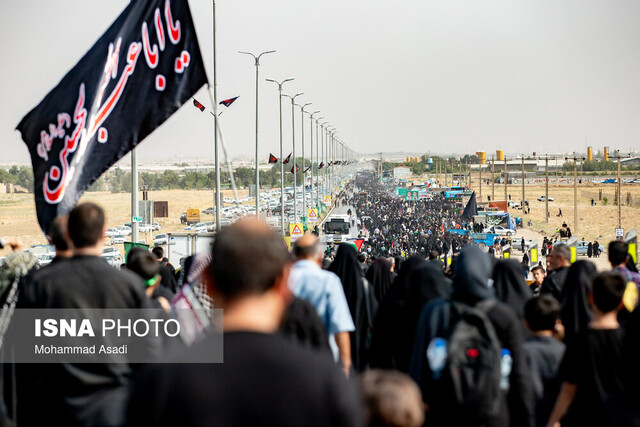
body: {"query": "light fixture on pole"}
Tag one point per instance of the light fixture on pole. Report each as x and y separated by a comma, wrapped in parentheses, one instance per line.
(257, 63)
(330, 156)
(281, 158)
(311, 156)
(293, 138)
(324, 157)
(318, 161)
(304, 175)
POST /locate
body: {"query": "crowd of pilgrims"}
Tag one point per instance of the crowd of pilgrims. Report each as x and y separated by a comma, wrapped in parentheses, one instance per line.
(570, 363)
(399, 228)
(388, 335)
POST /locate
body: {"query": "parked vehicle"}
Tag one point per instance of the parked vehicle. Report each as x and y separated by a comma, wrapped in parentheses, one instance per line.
(211, 226)
(156, 227)
(484, 239)
(144, 228)
(124, 229)
(113, 261)
(498, 229)
(111, 231)
(542, 198)
(44, 259)
(161, 239)
(112, 256)
(200, 228)
(117, 239)
(193, 216)
(582, 246)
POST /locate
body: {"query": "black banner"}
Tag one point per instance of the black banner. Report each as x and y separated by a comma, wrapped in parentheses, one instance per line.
(471, 209)
(135, 77)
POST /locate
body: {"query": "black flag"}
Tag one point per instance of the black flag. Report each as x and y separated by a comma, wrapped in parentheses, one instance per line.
(287, 159)
(142, 69)
(228, 102)
(471, 209)
(198, 105)
(272, 158)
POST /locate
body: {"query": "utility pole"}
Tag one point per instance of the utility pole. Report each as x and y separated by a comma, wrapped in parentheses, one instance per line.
(575, 191)
(493, 179)
(506, 178)
(523, 198)
(619, 158)
(546, 188)
(480, 179)
(445, 174)
(546, 158)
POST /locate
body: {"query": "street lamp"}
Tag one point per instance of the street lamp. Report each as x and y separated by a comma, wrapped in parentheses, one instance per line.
(293, 137)
(323, 149)
(257, 63)
(304, 175)
(281, 164)
(311, 157)
(330, 155)
(318, 152)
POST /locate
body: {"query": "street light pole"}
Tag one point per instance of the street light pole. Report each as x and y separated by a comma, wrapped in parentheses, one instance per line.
(331, 154)
(293, 137)
(257, 63)
(217, 197)
(281, 159)
(304, 175)
(311, 156)
(318, 143)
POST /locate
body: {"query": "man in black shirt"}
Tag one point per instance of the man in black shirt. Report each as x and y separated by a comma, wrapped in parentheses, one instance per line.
(544, 352)
(265, 379)
(84, 394)
(559, 261)
(592, 370)
(167, 272)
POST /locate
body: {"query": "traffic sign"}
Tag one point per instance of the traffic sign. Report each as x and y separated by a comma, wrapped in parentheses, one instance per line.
(312, 216)
(137, 219)
(295, 231)
(327, 200)
(402, 191)
(619, 233)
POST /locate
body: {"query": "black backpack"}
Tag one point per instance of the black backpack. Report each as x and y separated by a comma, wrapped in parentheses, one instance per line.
(471, 375)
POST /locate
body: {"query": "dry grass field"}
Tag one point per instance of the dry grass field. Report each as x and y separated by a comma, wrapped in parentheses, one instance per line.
(594, 222)
(18, 213)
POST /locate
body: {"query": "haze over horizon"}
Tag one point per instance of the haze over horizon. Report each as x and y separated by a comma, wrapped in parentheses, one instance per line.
(418, 76)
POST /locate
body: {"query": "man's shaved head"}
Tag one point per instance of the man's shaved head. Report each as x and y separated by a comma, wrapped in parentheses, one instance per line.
(247, 258)
(306, 247)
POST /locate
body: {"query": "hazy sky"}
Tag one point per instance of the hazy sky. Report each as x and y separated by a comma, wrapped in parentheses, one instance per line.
(412, 75)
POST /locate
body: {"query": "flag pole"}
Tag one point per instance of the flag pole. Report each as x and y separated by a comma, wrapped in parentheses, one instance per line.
(134, 195)
(215, 124)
